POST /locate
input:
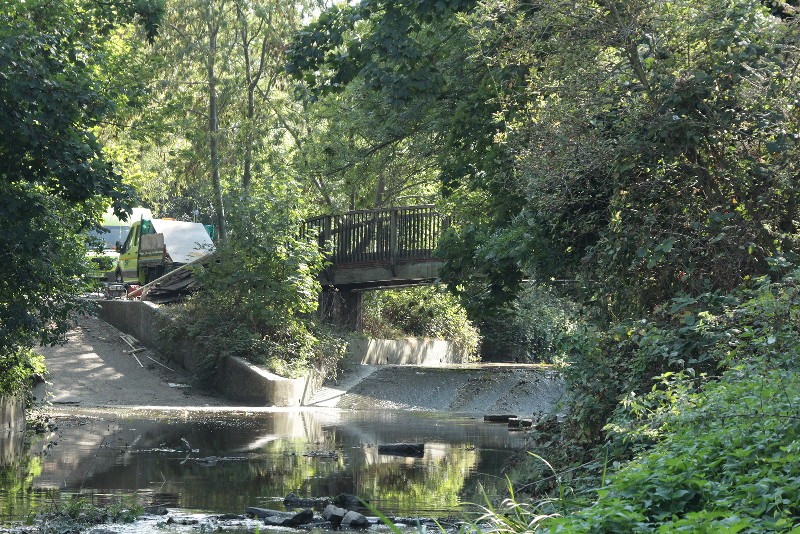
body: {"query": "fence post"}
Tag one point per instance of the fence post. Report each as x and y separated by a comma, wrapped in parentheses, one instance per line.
(393, 242)
(325, 234)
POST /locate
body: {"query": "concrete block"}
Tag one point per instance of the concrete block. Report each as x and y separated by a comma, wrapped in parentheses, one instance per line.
(12, 427)
(409, 351)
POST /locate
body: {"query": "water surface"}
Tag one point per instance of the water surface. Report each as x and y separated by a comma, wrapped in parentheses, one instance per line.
(225, 462)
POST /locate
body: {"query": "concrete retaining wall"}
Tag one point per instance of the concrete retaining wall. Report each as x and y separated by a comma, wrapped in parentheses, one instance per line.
(253, 384)
(237, 379)
(242, 381)
(12, 413)
(142, 320)
(410, 351)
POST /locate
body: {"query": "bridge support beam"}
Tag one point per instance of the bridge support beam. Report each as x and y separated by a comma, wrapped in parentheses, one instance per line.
(342, 308)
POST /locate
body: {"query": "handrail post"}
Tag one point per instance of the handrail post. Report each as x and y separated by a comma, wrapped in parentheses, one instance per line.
(393, 241)
(325, 235)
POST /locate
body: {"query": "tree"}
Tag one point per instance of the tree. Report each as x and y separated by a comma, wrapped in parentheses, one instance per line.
(54, 176)
(378, 156)
(420, 63)
(213, 127)
(638, 148)
(653, 144)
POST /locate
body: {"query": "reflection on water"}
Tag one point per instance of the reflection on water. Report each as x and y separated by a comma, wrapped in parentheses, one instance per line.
(224, 463)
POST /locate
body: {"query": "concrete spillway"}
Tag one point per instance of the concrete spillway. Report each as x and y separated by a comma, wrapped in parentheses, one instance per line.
(524, 390)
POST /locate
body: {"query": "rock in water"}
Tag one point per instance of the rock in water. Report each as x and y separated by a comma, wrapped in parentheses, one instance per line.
(347, 501)
(414, 450)
(355, 520)
(333, 513)
(301, 518)
(264, 512)
(498, 418)
(290, 520)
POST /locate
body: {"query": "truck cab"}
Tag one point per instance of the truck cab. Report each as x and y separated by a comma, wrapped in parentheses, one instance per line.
(155, 247)
(103, 253)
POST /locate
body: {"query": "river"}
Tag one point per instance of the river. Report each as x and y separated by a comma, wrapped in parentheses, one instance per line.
(215, 462)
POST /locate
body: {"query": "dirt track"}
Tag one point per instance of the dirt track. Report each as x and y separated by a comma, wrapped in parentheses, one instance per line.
(93, 370)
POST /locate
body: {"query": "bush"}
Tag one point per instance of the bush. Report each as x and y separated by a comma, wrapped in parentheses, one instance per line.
(727, 462)
(258, 296)
(702, 452)
(606, 365)
(18, 370)
(539, 326)
(421, 312)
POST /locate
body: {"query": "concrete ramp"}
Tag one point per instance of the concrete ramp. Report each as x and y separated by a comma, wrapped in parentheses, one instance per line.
(523, 390)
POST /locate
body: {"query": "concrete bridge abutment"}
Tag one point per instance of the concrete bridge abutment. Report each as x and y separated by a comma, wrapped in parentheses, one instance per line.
(342, 307)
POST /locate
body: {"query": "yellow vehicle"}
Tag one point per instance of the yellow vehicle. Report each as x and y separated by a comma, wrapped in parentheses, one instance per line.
(103, 254)
(155, 247)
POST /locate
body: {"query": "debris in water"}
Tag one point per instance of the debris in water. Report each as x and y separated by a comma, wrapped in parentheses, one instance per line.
(414, 450)
(498, 418)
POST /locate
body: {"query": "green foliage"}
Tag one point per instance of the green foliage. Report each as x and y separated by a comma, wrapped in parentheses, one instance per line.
(727, 463)
(702, 453)
(422, 312)
(44, 271)
(431, 112)
(216, 119)
(54, 178)
(78, 513)
(539, 326)
(381, 42)
(606, 365)
(651, 145)
(17, 370)
(639, 148)
(379, 156)
(259, 294)
(695, 335)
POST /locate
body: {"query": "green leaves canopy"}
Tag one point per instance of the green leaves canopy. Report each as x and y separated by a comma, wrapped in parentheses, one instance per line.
(643, 148)
(655, 145)
(440, 104)
(53, 174)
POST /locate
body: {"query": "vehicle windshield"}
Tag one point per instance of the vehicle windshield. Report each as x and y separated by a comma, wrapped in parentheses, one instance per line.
(111, 235)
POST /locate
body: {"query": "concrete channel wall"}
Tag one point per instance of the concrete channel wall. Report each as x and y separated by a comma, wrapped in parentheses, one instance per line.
(12, 426)
(12, 413)
(237, 379)
(242, 381)
(409, 351)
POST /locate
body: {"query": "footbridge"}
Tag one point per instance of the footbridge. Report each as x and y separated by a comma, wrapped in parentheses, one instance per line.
(374, 249)
(380, 248)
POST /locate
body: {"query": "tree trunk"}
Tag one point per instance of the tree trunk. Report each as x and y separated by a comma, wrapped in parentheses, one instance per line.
(379, 190)
(213, 129)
